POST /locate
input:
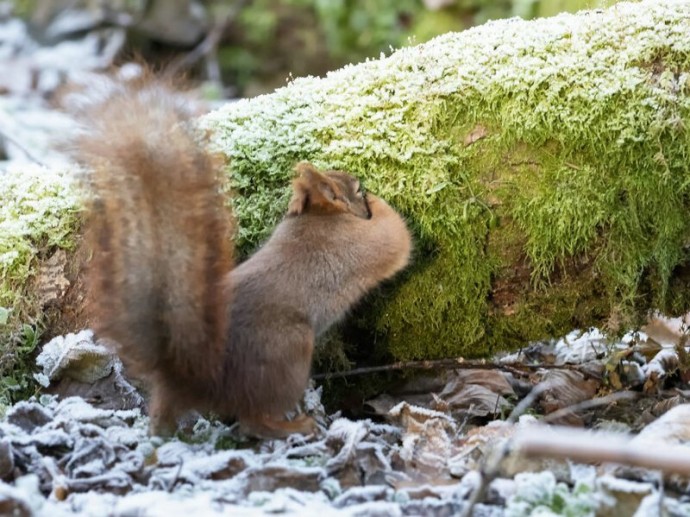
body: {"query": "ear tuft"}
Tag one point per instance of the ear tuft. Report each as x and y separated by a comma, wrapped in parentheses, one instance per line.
(308, 172)
(300, 197)
(305, 182)
(312, 189)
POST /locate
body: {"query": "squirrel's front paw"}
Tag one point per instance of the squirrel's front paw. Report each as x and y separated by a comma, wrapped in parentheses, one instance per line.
(377, 206)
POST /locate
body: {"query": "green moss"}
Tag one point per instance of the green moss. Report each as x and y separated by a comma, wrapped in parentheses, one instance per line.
(39, 213)
(544, 166)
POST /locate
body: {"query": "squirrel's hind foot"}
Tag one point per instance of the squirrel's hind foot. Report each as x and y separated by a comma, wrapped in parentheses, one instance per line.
(270, 427)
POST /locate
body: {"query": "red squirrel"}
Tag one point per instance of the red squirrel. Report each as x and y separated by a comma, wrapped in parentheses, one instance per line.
(161, 284)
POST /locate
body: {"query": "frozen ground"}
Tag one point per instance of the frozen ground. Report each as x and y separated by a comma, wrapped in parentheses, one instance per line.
(63, 456)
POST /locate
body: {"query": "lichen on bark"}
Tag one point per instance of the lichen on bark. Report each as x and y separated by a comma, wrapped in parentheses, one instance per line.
(543, 165)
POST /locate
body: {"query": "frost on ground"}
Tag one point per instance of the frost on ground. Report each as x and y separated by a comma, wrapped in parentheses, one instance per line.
(65, 456)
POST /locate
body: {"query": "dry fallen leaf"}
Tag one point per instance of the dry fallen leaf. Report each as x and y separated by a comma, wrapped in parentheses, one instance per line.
(427, 440)
(477, 133)
(567, 388)
(665, 362)
(477, 393)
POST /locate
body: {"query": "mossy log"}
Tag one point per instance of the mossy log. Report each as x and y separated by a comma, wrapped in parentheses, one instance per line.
(544, 167)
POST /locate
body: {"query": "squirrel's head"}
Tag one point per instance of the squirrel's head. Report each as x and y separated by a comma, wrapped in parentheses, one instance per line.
(328, 192)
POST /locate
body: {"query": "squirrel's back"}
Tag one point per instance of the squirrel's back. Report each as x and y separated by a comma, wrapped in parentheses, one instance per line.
(160, 234)
(325, 264)
(334, 246)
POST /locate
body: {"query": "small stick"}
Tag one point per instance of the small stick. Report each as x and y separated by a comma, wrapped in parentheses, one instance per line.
(208, 45)
(492, 463)
(587, 447)
(457, 363)
(176, 477)
(591, 403)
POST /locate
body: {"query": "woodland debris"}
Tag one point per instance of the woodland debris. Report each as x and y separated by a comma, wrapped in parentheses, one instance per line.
(567, 388)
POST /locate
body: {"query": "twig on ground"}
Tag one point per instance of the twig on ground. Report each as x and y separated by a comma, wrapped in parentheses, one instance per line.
(528, 401)
(457, 363)
(598, 447)
(492, 463)
(591, 403)
(176, 477)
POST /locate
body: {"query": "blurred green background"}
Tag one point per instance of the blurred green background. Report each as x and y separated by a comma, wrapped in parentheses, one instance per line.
(274, 38)
(253, 46)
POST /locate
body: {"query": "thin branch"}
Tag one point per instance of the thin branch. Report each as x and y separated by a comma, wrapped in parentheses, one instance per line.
(591, 403)
(492, 464)
(208, 45)
(528, 401)
(176, 477)
(457, 363)
(21, 147)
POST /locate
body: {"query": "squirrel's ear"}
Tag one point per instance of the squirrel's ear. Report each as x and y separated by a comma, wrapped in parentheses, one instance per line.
(317, 182)
(311, 187)
(327, 190)
(309, 173)
(300, 188)
(300, 197)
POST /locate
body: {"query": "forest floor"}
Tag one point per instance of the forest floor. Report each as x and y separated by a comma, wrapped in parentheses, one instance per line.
(485, 438)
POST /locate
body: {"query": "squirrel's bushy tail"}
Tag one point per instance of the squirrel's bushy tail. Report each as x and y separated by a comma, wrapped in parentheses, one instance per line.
(160, 234)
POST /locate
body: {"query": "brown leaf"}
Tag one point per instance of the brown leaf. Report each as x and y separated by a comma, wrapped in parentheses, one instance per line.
(666, 405)
(615, 380)
(427, 439)
(683, 361)
(664, 363)
(482, 392)
(567, 388)
(478, 401)
(418, 391)
(477, 133)
(478, 393)
(492, 380)
(648, 349)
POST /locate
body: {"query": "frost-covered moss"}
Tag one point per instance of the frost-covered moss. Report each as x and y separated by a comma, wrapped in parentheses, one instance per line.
(544, 166)
(39, 213)
(539, 494)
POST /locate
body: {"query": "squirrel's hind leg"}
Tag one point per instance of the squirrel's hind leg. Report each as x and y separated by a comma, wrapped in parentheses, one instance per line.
(163, 413)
